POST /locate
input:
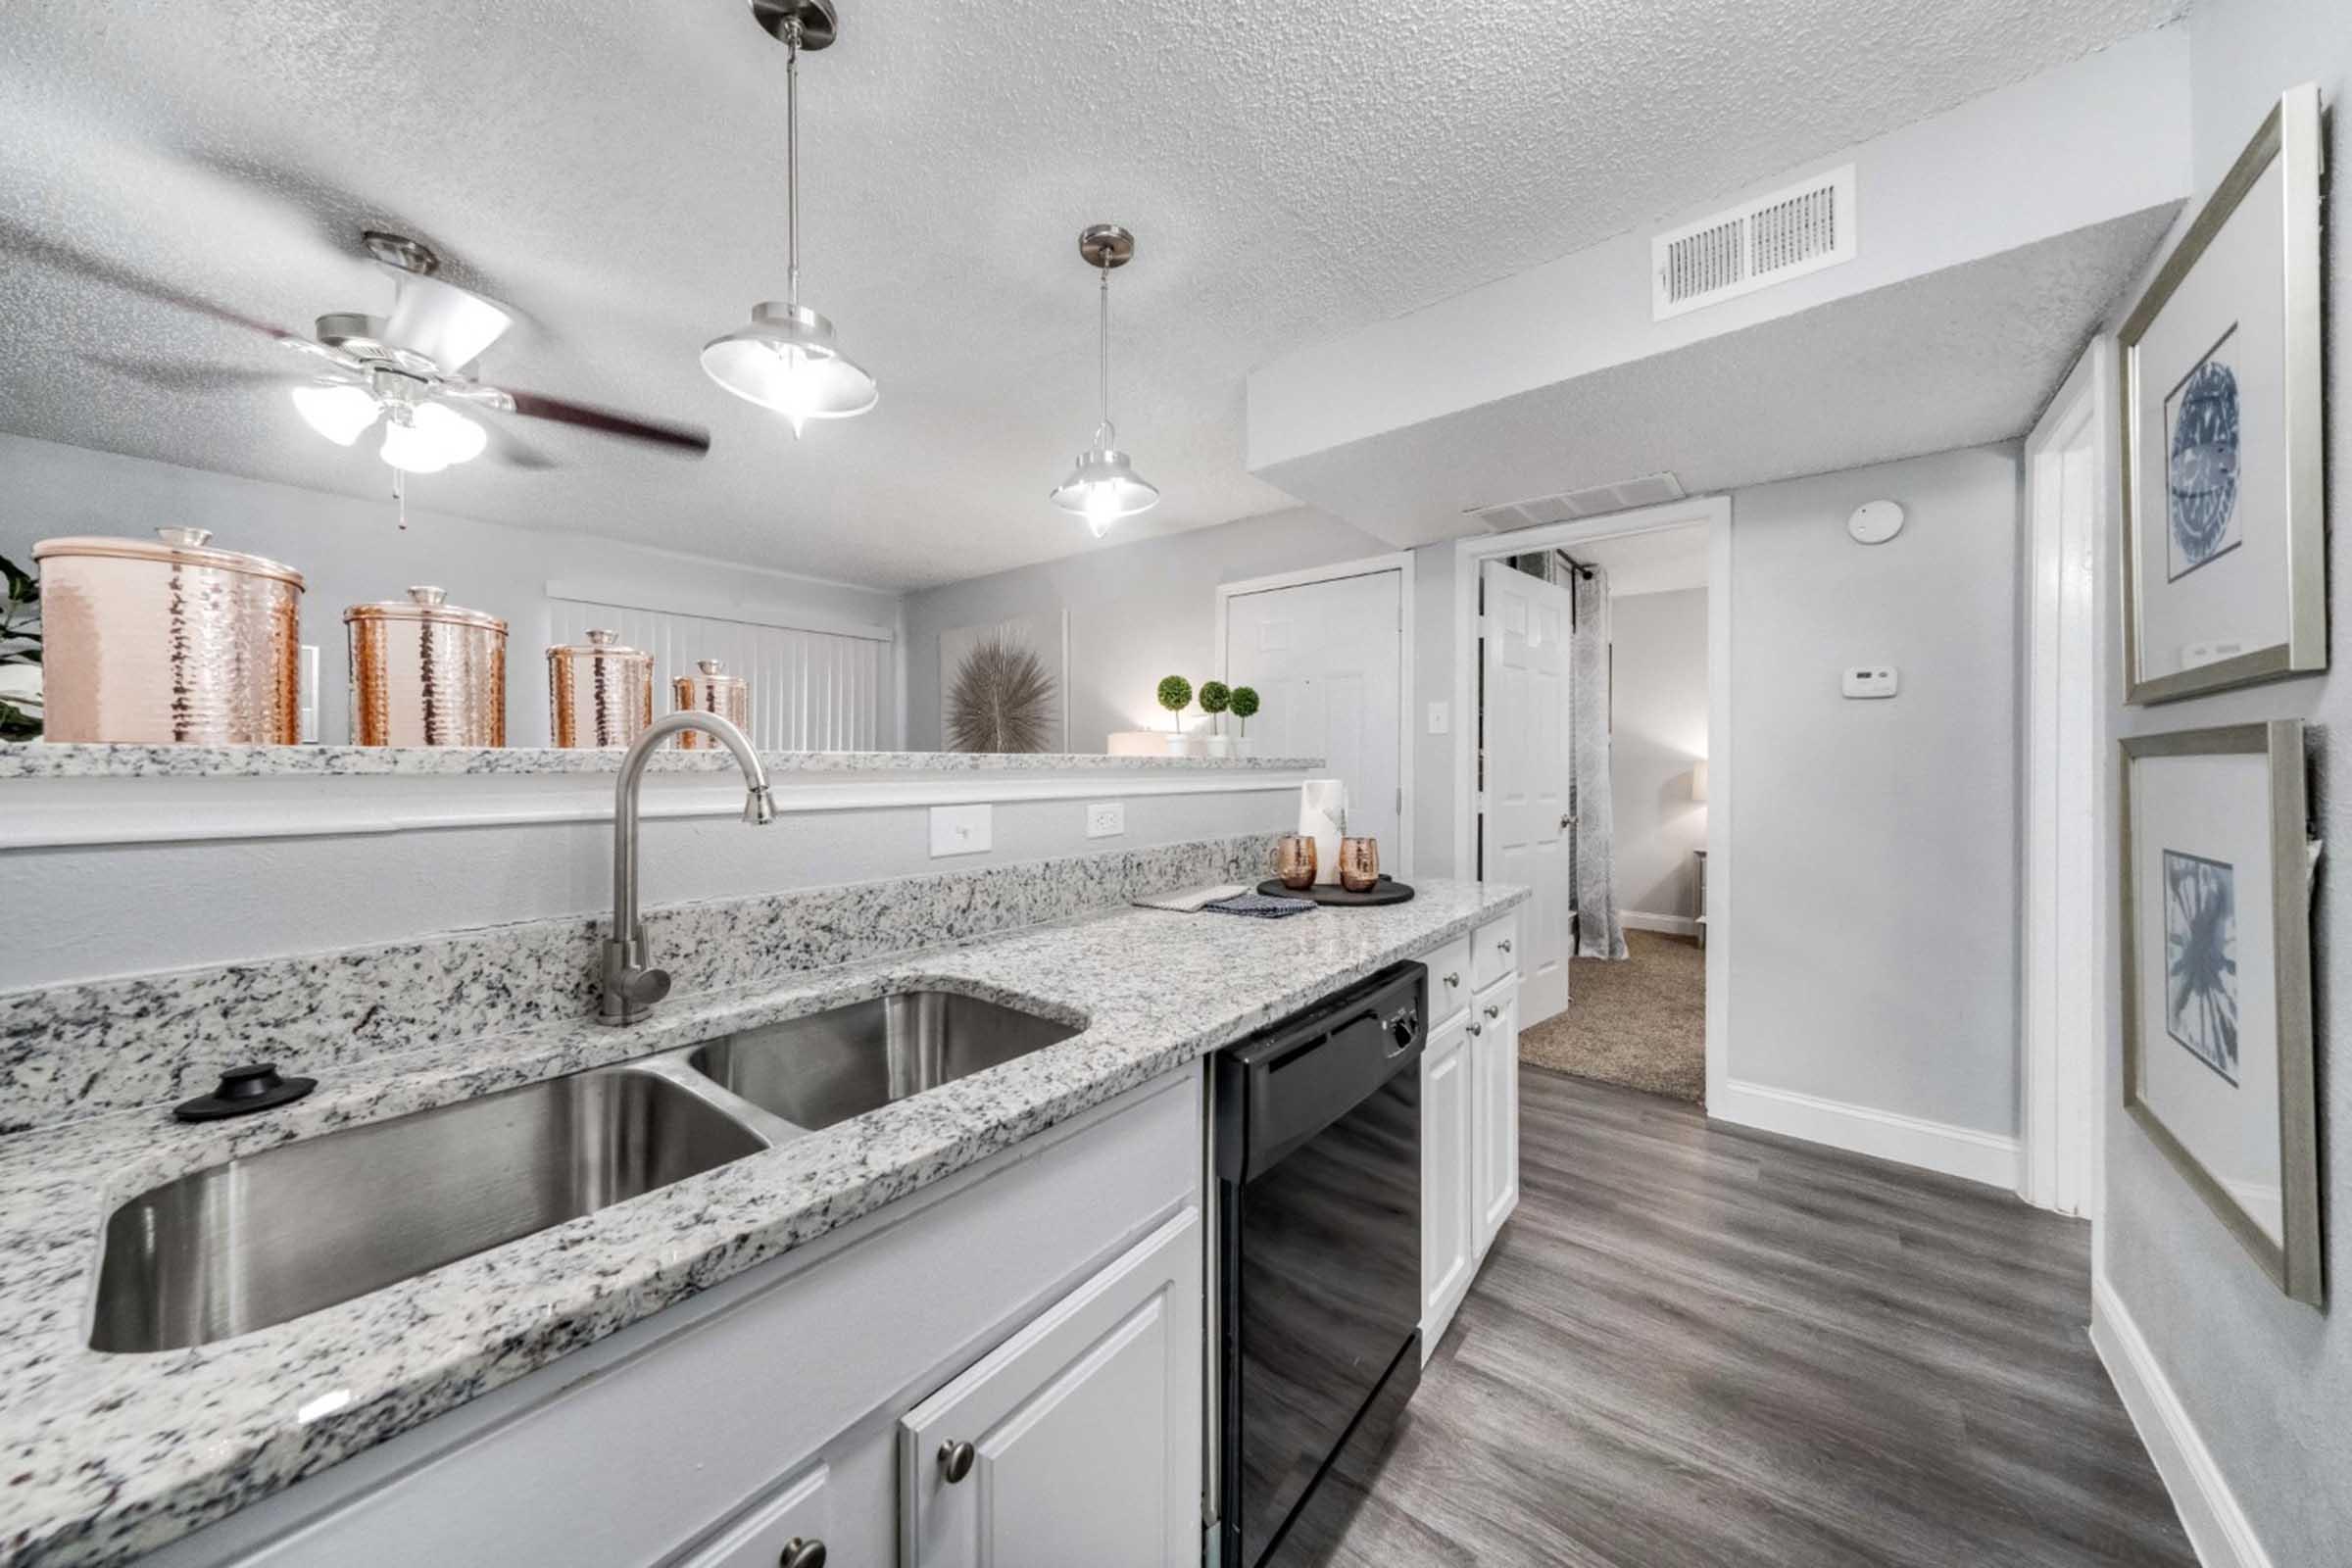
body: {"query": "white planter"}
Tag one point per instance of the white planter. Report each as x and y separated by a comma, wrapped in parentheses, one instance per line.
(1220, 748)
(1180, 746)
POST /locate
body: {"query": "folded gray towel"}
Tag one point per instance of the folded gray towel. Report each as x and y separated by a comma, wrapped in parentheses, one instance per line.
(1258, 906)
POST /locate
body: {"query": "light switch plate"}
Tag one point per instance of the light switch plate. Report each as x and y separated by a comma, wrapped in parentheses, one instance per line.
(1105, 820)
(959, 829)
(1865, 682)
(1441, 717)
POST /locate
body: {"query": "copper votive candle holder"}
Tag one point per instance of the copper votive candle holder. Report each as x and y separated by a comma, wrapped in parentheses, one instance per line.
(1359, 865)
(1294, 861)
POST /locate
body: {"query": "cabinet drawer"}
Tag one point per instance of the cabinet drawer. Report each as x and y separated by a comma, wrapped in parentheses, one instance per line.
(1448, 982)
(798, 1513)
(1495, 951)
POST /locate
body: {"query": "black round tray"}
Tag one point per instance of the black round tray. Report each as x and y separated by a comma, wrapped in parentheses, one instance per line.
(1388, 889)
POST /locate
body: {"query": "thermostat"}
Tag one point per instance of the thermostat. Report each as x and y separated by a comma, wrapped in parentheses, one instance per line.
(1871, 680)
(1874, 522)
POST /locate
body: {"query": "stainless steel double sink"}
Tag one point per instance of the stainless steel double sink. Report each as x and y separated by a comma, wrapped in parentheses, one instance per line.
(272, 1236)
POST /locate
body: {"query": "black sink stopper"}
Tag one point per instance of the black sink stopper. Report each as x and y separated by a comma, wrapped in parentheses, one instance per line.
(244, 1090)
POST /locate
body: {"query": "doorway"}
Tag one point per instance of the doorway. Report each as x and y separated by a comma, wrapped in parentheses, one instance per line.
(1528, 810)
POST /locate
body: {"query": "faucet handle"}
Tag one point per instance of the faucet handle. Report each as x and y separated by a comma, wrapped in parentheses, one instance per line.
(642, 988)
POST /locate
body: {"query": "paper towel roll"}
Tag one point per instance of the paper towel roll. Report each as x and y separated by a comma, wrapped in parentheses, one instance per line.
(1323, 816)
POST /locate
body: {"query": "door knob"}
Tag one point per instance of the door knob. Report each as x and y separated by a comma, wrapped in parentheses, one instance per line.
(955, 1460)
(1504, 946)
(1567, 822)
(800, 1553)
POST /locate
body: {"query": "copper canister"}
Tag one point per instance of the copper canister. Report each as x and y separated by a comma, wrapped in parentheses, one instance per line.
(425, 672)
(598, 692)
(165, 641)
(713, 691)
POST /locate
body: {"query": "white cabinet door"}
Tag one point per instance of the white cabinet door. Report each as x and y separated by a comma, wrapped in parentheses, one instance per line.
(1525, 733)
(1328, 661)
(1446, 1154)
(1083, 1430)
(1495, 1107)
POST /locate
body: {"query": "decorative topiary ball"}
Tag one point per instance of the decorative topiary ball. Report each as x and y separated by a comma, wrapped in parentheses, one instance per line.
(1175, 694)
(1214, 695)
(1244, 701)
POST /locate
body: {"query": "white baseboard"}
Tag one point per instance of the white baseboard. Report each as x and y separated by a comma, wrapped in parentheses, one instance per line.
(1674, 925)
(1964, 1152)
(2217, 1526)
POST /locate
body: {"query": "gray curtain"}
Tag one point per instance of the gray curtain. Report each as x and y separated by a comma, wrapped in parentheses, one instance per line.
(1596, 931)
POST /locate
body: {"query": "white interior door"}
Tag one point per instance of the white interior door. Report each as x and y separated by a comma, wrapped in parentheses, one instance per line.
(1327, 660)
(1525, 804)
(2066, 496)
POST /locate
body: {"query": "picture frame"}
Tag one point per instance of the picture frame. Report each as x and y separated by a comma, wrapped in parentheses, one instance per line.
(2224, 499)
(2219, 1066)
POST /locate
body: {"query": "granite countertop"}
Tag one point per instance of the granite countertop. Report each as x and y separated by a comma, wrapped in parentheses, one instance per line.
(54, 760)
(107, 1457)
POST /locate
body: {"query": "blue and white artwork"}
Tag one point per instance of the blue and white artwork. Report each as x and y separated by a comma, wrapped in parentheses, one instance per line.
(2201, 440)
(2200, 959)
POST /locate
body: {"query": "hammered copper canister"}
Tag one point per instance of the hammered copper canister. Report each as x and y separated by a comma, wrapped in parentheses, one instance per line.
(164, 641)
(425, 672)
(713, 691)
(598, 692)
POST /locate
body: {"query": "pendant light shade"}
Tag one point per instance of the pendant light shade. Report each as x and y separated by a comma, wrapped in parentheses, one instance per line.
(786, 359)
(1104, 486)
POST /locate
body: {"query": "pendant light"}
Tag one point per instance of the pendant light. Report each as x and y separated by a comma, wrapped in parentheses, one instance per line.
(785, 360)
(1105, 487)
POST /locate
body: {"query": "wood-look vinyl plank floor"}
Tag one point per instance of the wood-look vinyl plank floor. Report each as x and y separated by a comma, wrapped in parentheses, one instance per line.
(1700, 1347)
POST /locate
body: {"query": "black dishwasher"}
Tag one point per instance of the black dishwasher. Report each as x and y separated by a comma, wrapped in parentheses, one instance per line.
(1318, 1129)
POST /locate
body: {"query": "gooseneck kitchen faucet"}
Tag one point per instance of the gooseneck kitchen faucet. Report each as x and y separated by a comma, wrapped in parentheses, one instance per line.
(632, 984)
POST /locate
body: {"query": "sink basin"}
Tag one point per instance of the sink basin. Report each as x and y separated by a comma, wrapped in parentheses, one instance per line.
(272, 1236)
(830, 1066)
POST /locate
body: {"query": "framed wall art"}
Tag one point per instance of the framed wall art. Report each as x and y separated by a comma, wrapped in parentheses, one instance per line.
(2217, 1004)
(1005, 687)
(2225, 538)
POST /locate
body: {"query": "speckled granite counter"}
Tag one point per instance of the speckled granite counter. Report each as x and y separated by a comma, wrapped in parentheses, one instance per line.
(110, 1456)
(43, 760)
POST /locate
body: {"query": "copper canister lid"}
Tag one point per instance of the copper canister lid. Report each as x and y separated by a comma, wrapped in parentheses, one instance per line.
(600, 644)
(425, 604)
(187, 547)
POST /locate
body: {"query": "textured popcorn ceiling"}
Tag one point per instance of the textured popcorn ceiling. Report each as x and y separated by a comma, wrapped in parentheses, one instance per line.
(612, 171)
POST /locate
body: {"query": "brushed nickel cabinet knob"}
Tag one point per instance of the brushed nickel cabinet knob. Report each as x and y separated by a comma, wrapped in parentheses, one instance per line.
(955, 1460)
(1493, 1012)
(800, 1553)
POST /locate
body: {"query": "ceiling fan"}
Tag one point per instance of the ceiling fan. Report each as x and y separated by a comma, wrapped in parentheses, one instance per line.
(408, 372)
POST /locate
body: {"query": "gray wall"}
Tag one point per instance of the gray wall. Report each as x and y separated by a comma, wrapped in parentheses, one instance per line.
(1876, 960)
(1659, 709)
(353, 552)
(1138, 611)
(1875, 863)
(2268, 1384)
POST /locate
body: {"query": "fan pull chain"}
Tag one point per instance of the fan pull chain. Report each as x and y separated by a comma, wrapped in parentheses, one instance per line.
(400, 496)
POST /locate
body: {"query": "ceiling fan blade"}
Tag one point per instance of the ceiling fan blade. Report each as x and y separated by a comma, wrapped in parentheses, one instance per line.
(56, 252)
(182, 376)
(681, 438)
(514, 451)
(447, 325)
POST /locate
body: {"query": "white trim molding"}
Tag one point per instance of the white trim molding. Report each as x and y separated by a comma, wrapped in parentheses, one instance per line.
(1963, 1151)
(1673, 925)
(1400, 563)
(57, 812)
(2218, 1527)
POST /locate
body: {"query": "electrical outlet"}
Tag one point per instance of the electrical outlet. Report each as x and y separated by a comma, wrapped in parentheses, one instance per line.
(1105, 820)
(960, 830)
(1867, 681)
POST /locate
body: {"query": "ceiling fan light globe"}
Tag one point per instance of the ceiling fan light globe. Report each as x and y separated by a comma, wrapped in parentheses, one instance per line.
(457, 438)
(411, 450)
(336, 409)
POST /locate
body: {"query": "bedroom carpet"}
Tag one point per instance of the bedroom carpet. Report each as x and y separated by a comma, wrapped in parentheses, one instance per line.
(1640, 1021)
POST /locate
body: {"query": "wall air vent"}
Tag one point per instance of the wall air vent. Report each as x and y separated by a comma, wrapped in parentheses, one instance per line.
(1774, 238)
(1569, 506)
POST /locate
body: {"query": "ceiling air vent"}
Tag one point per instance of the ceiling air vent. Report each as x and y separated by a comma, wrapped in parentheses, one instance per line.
(1774, 238)
(1571, 505)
